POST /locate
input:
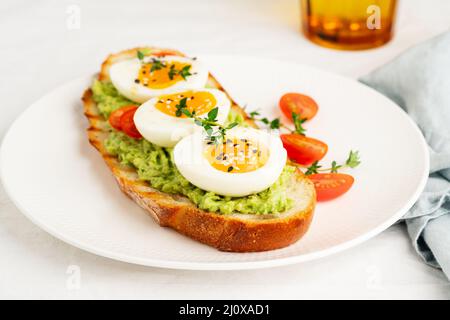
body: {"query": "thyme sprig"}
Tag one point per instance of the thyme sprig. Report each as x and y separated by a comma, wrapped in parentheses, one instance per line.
(157, 64)
(277, 124)
(353, 160)
(273, 124)
(183, 72)
(215, 132)
(298, 123)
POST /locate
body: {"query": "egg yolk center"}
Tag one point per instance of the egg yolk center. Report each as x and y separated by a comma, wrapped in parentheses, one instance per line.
(159, 74)
(199, 102)
(237, 155)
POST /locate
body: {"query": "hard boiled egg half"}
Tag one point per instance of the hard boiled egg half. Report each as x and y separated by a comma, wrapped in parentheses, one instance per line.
(247, 161)
(157, 119)
(140, 80)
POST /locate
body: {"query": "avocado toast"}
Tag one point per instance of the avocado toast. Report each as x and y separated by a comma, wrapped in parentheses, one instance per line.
(271, 219)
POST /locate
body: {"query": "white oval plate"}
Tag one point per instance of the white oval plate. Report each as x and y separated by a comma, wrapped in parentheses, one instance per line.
(60, 182)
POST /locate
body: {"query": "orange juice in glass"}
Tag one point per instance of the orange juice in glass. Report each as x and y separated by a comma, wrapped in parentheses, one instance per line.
(348, 24)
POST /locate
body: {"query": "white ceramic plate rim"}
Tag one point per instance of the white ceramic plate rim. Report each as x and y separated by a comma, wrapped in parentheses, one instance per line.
(273, 262)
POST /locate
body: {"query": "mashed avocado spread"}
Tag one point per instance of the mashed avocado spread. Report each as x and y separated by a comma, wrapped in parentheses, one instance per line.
(154, 164)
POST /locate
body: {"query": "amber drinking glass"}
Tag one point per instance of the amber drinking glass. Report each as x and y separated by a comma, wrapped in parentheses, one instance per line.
(348, 24)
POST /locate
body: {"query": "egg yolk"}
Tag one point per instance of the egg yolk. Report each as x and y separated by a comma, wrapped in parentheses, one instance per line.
(199, 102)
(237, 155)
(160, 74)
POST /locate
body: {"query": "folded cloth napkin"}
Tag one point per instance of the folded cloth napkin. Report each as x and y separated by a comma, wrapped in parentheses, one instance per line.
(419, 82)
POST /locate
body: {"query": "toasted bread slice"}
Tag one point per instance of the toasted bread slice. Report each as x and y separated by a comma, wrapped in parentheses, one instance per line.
(234, 232)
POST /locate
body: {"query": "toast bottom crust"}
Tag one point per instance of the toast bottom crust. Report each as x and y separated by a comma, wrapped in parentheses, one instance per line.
(221, 231)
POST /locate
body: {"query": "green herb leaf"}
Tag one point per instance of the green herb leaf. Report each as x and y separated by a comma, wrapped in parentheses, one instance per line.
(232, 125)
(254, 114)
(212, 114)
(275, 124)
(313, 168)
(157, 65)
(353, 159)
(298, 123)
(335, 167)
(184, 72)
(186, 112)
(180, 107)
(140, 55)
(172, 72)
(182, 103)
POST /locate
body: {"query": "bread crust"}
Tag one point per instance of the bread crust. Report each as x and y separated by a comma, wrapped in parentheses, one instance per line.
(234, 233)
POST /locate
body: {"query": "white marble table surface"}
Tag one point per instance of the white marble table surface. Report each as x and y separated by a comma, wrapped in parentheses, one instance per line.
(42, 48)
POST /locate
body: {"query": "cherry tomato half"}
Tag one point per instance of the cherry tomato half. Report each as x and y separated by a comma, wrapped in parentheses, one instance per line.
(331, 185)
(303, 150)
(114, 117)
(298, 103)
(128, 126)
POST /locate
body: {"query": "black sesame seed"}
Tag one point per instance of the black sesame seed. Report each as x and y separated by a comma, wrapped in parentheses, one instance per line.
(136, 80)
(236, 145)
(230, 169)
(225, 157)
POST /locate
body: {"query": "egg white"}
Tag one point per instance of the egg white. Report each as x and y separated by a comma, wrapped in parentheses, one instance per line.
(124, 73)
(190, 160)
(165, 130)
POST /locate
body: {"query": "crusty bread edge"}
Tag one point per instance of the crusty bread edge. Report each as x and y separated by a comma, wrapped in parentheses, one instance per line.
(224, 232)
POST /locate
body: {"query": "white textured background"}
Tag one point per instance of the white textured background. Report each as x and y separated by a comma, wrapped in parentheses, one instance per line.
(40, 52)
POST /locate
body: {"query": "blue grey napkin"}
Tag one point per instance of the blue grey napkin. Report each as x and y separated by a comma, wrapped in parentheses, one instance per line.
(419, 82)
